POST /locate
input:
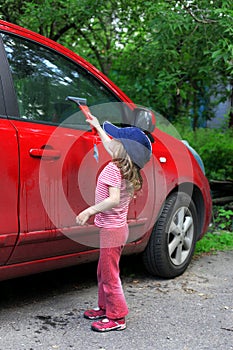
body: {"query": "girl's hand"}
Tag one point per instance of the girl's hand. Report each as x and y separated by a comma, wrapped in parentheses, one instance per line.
(83, 217)
(94, 121)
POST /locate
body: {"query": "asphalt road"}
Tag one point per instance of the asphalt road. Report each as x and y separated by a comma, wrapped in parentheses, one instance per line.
(191, 312)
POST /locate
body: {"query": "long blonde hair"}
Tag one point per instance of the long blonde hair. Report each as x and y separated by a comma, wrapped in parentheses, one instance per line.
(129, 171)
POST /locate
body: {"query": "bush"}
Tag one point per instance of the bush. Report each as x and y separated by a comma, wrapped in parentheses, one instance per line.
(219, 235)
(215, 147)
(222, 218)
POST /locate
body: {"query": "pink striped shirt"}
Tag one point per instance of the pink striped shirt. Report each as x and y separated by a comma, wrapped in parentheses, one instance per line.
(115, 217)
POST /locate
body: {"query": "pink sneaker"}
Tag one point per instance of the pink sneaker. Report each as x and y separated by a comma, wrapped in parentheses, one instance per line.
(94, 314)
(106, 325)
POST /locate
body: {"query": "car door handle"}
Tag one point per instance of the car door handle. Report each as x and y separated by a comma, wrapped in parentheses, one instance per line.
(43, 153)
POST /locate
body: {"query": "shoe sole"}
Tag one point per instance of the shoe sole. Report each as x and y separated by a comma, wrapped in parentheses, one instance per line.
(117, 328)
(94, 317)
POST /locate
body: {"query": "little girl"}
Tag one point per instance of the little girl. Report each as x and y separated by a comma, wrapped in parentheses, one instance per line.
(130, 150)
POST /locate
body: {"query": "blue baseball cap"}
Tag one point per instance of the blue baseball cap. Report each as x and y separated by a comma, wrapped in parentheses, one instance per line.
(136, 143)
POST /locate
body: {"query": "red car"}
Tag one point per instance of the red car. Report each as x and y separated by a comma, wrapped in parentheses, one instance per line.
(49, 164)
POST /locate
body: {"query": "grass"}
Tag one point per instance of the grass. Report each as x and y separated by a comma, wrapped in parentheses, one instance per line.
(215, 241)
(220, 235)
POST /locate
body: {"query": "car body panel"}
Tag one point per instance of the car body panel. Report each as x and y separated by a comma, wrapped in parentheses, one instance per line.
(9, 177)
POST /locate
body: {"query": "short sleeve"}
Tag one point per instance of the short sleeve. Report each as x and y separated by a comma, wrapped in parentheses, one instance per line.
(111, 176)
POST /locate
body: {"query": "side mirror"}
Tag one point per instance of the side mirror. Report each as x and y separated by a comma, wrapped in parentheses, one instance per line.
(144, 119)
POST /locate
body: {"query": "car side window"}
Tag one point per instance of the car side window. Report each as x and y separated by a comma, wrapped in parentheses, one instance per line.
(44, 78)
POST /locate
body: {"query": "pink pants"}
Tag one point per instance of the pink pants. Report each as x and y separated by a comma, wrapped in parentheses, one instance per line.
(110, 293)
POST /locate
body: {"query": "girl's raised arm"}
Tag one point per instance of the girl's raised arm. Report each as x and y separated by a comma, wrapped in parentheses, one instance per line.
(104, 137)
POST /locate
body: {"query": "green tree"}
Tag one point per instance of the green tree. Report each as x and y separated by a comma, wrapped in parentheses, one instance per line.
(97, 30)
(171, 55)
(182, 58)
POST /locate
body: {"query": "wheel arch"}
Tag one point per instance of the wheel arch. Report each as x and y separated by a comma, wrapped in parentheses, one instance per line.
(194, 192)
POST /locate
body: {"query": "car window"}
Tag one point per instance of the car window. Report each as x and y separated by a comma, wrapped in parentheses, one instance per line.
(43, 79)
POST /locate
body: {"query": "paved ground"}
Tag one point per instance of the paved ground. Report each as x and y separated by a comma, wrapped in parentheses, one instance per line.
(191, 312)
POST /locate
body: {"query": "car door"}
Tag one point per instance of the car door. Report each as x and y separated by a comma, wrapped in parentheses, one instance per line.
(57, 164)
(9, 174)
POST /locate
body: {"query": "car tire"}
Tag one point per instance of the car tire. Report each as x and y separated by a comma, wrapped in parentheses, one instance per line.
(173, 238)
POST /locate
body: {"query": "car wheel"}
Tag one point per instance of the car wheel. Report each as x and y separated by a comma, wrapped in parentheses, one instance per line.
(172, 242)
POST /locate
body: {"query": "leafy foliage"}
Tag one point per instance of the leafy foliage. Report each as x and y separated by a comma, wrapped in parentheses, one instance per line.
(215, 147)
(222, 218)
(178, 64)
(97, 30)
(213, 242)
(172, 55)
(220, 234)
